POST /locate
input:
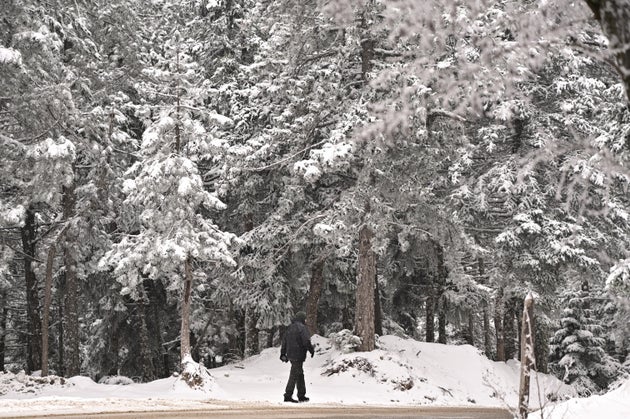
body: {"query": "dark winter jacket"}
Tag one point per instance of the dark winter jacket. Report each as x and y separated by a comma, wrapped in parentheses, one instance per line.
(296, 342)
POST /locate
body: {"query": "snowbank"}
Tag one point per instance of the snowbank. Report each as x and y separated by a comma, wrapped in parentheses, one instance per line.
(612, 405)
(401, 372)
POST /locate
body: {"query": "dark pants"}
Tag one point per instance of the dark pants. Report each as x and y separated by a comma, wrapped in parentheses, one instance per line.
(296, 376)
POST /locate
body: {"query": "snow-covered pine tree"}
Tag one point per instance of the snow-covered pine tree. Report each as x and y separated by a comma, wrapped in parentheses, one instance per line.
(167, 236)
(578, 352)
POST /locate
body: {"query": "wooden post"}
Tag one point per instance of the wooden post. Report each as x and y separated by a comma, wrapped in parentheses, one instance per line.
(528, 360)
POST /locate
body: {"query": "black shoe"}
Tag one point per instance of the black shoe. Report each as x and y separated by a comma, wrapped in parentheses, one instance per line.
(303, 399)
(290, 400)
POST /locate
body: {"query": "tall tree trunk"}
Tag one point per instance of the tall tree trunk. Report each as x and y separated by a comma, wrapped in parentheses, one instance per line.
(430, 316)
(4, 314)
(487, 338)
(34, 337)
(366, 272)
(378, 315)
(315, 292)
(146, 361)
(46, 311)
(251, 332)
(527, 354)
(60, 343)
(471, 328)
(613, 16)
(185, 327)
(498, 325)
(71, 303)
(367, 45)
(509, 329)
(442, 319)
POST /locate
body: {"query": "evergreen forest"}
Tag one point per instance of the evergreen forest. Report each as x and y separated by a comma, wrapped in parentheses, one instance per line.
(178, 178)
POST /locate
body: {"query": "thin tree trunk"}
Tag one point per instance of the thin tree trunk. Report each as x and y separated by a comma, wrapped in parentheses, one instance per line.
(527, 354)
(378, 315)
(71, 303)
(60, 343)
(4, 314)
(315, 292)
(148, 370)
(185, 328)
(487, 338)
(34, 337)
(251, 332)
(471, 328)
(366, 272)
(367, 47)
(498, 325)
(442, 319)
(46, 311)
(430, 316)
(509, 330)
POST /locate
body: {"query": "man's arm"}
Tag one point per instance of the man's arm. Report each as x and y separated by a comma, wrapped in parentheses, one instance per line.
(306, 341)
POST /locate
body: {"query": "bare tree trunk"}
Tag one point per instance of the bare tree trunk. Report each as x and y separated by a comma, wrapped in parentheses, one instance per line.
(527, 354)
(315, 292)
(366, 272)
(509, 329)
(367, 46)
(471, 328)
(4, 314)
(430, 316)
(251, 332)
(378, 315)
(34, 337)
(71, 303)
(442, 319)
(148, 370)
(487, 338)
(46, 312)
(613, 16)
(498, 325)
(185, 327)
(60, 343)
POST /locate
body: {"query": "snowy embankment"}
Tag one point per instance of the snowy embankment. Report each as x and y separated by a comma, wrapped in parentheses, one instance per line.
(401, 372)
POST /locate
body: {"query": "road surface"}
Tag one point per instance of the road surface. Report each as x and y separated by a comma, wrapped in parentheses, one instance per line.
(301, 411)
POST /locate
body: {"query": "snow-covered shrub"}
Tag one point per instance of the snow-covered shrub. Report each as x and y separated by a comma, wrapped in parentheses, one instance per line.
(115, 380)
(345, 341)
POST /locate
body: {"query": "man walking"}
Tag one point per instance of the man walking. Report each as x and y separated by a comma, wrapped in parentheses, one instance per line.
(296, 342)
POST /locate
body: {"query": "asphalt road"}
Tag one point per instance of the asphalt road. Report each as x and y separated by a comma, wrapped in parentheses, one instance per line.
(301, 411)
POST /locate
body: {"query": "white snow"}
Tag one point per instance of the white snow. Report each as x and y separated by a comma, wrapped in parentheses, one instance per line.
(401, 372)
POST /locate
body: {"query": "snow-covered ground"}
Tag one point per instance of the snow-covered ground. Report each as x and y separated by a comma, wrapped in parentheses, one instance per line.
(401, 372)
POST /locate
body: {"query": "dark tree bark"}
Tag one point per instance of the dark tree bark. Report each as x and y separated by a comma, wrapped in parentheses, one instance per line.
(509, 329)
(60, 343)
(442, 319)
(378, 315)
(487, 338)
(46, 312)
(614, 18)
(185, 325)
(498, 325)
(251, 332)
(34, 337)
(430, 315)
(71, 303)
(146, 361)
(4, 314)
(366, 272)
(315, 292)
(367, 46)
(470, 336)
